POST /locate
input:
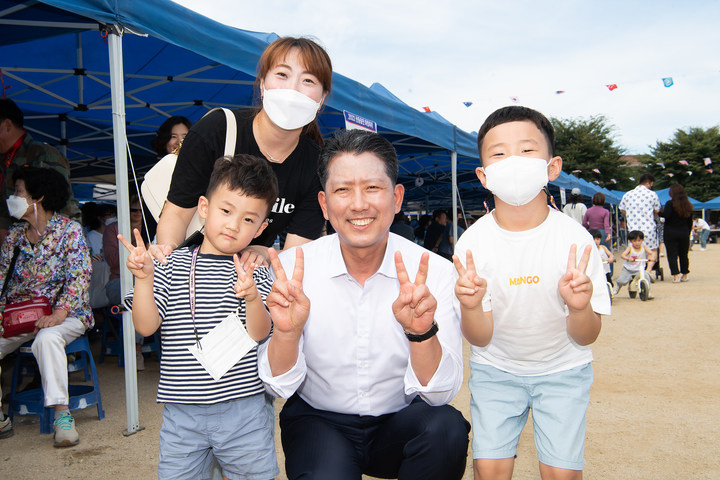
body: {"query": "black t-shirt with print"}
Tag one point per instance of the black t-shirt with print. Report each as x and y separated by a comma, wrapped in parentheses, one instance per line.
(296, 210)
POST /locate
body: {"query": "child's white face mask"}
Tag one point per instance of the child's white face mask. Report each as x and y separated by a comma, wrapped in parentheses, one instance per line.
(517, 180)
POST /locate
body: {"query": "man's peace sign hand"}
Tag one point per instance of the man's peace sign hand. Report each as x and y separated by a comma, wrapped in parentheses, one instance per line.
(139, 261)
(575, 286)
(470, 288)
(288, 305)
(415, 306)
(245, 287)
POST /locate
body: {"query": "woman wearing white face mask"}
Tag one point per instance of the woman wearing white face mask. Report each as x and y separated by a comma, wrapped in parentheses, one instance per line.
(51, 260)
(294, 77)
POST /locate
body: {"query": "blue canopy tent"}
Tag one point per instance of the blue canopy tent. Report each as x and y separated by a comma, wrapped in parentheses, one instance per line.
(712, 204)
(664, 196)
(97, 107)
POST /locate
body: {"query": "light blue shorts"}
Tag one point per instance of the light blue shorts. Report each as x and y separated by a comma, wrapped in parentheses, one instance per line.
(500, 403)
(238, 434)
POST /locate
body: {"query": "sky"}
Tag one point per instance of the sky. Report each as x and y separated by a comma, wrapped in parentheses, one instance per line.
(496, 53)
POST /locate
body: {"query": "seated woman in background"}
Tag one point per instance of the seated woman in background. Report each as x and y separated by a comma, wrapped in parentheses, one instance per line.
(170, 135)
(53, 260)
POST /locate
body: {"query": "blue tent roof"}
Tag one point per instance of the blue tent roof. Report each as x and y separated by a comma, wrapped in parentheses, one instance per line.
(173, 71)
(712, 204)
(664, 196)
(59, 76)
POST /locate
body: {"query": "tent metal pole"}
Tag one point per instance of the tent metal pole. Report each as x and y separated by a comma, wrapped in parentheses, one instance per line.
(453, 169)
(63, 136)
(79, 56)
(121, 180)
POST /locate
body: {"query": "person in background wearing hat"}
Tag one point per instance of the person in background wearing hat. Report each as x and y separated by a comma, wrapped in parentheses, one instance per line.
(575, 209)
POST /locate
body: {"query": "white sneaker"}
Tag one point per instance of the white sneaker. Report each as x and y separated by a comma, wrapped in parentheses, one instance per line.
(703, 249)
(6, 428)
(65, 433)
(140, 361)
(616, 289)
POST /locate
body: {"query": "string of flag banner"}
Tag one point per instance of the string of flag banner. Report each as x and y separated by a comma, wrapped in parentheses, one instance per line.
(707, 162)
(666, 81)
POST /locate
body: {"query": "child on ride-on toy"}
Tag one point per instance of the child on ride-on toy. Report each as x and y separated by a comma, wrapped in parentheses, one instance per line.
(635, 255)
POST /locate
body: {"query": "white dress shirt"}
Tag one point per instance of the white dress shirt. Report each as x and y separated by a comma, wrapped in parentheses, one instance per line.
(354, 357)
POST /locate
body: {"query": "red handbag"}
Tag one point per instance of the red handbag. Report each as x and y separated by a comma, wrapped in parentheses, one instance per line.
(21, 317)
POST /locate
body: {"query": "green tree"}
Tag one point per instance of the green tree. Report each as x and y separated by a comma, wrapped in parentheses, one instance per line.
(587, 146)
(691, 146)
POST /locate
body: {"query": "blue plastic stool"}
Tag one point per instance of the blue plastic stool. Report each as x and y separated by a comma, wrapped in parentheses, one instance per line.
(112, 338)
(32, 402)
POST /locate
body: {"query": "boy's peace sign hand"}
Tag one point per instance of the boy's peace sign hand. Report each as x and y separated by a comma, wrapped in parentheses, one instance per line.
(288, 305)
(470, 288)
(415, 306)
(139, 261)
(575, 286)
(245, 286)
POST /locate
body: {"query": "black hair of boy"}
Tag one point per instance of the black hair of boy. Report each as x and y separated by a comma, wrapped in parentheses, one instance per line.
(595, 233)
(635, 234)
(516, 113)
(45, 183)
(252, 176)
(356, 142)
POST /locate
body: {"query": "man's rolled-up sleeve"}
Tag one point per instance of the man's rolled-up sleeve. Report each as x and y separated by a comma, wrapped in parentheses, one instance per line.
(284, 385)
(448, 378)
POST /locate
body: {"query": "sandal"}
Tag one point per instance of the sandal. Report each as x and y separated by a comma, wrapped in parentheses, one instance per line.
(684, 278)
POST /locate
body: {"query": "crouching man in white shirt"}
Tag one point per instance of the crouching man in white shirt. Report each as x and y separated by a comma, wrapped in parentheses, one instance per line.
(366, 345)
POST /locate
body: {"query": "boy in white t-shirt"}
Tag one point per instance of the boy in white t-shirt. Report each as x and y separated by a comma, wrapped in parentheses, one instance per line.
(606, 256)
(529, 309)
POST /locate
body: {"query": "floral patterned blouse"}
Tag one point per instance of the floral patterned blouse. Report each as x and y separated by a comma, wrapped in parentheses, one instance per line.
(58, 267)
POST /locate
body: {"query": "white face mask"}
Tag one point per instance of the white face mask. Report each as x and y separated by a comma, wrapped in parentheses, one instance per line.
(288, 108)
(17, 206)
(517, 180)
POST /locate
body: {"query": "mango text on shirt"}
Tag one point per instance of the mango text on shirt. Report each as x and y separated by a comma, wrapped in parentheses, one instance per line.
(530, 279)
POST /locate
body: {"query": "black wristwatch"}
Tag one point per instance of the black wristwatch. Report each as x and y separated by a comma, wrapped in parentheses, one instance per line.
(421, 338)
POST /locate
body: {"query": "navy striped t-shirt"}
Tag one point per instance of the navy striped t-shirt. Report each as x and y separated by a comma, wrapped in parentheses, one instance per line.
(182, 378)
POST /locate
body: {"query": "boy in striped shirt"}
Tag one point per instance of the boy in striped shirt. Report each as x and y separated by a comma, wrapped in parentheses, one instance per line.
(211, 411)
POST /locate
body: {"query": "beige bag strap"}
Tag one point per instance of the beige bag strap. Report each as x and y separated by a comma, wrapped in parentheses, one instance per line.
(230, 132)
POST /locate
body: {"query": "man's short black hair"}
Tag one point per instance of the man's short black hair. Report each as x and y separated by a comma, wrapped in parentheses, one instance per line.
(249, 174)
(45, 183)
(516, 113)
(9, 110)
(356, 142)
(595, 233)
(646, 178)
